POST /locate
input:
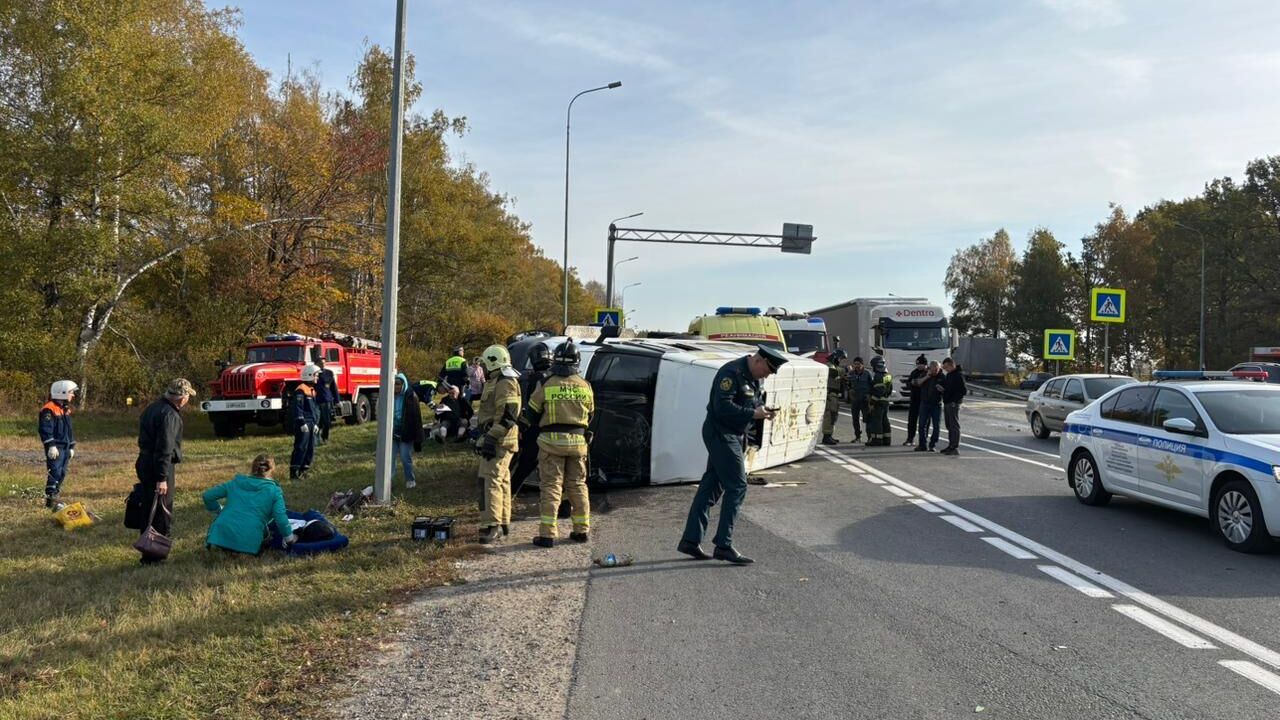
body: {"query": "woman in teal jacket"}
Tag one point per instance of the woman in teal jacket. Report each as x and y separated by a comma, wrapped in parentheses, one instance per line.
(252, 501)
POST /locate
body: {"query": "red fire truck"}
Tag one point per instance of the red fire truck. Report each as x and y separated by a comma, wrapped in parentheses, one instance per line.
(260, 389)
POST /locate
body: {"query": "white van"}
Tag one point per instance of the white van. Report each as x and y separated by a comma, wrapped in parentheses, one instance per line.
(651, 398)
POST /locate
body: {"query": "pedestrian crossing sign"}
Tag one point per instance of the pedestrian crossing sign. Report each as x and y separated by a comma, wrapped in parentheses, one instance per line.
(1107, 305)
(1059, 344)
(609, 317)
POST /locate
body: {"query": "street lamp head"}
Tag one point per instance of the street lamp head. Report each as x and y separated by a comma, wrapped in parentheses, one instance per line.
(615, 84)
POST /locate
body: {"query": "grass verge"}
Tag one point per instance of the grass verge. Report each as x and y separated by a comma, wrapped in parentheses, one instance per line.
(86, 632)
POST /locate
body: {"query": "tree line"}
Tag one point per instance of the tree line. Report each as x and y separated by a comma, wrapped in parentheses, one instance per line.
(1156, 256)
(164, 201)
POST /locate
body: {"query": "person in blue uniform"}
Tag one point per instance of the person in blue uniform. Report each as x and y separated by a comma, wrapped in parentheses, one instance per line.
(58, 438)
(306, 419)
(327, 397)
(736, 403)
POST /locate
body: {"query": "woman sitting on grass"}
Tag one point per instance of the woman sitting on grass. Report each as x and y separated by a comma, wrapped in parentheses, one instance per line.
(252, 501)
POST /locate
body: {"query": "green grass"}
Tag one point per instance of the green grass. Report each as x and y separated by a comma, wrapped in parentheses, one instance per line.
(86, 632)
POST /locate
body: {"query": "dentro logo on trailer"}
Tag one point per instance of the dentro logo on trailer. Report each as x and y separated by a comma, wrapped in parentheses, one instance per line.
(915, 313)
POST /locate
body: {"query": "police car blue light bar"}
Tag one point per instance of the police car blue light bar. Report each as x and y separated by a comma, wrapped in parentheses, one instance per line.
(1194, 375)
(816, 321)
(726, 310)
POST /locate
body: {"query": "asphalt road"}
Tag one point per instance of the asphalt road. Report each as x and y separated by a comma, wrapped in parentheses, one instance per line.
(895, 584)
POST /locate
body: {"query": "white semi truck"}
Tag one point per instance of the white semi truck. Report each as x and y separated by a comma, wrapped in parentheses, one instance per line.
(900, 329)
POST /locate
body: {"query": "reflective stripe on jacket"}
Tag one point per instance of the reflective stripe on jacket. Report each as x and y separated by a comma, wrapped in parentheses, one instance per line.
(563, 406)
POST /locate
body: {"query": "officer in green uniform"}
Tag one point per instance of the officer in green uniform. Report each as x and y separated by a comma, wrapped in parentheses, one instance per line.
(835, 390)
(735, 403)
(878, 430)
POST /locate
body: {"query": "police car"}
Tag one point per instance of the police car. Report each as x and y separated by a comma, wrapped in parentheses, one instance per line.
(1197, 442)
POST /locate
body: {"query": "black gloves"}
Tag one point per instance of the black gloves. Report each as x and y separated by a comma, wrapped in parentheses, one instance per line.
(488, 447)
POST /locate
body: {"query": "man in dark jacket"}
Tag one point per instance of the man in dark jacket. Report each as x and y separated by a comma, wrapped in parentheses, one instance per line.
(858, 384)
(327, 398)
(953, 392)
(930, 407)
(736, 402)
(913, 412)
(454, 372)
(160, 450)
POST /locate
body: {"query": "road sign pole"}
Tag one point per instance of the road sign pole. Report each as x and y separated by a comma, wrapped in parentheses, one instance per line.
(1106, 349)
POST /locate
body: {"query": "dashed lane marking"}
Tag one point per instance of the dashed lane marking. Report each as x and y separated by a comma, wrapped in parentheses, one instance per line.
(923, 504)
(897, 491)
(1164, 627)
(1072, 580)
(1006, 547)
(961, 523)
(1216, 632)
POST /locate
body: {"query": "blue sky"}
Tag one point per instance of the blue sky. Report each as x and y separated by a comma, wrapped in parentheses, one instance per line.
(901, 129)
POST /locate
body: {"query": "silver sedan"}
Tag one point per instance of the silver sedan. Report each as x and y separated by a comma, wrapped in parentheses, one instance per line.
(1048, 407)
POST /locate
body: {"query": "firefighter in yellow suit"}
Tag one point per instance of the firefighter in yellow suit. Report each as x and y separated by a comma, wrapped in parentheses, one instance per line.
(498, 415)
(561, 408)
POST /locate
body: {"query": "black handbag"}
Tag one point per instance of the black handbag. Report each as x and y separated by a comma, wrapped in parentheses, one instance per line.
(151, 543)
(135, 508)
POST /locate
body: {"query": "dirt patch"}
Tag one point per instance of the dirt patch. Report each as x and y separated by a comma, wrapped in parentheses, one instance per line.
(499, 645)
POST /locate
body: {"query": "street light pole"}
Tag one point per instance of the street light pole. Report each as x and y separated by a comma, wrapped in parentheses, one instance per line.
(391, 274)
(622, 295)
(568, 117)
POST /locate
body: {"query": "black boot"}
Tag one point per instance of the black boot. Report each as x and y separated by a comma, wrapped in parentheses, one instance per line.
(828, 440)
(544, 542)
(506, 530)
(578, 537)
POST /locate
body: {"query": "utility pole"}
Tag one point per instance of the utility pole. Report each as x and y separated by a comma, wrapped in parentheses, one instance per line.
(391, 275)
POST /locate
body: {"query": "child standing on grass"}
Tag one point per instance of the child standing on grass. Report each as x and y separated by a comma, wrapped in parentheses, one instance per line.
(58, 438)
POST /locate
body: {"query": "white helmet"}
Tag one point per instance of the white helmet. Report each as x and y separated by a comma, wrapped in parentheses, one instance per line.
(495, 357)
(62, 389)
(310, 373)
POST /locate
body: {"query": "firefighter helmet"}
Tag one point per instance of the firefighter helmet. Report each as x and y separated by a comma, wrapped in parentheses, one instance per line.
(495, 358)
(837, 357)
(310, 373)
(62, 389)
(567, 354)
(540, 357)
(877, 363)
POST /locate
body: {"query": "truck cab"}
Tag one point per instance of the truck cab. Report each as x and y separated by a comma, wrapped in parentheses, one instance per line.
(260, 389)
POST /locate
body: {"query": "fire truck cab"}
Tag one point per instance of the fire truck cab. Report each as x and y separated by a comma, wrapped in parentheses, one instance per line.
(260, 389)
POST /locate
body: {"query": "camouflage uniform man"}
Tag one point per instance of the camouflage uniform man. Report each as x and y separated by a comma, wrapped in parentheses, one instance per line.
(878, 431)
(835, 390)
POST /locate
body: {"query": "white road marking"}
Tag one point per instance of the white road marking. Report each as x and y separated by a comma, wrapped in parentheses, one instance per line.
(1265, 678)
(871, 478)
(926, 506)
(1029, 461)
(897, 491)
(1164, 627)
(1074, 581)
(1151, 602)
(1007, 547)
(964, 525)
